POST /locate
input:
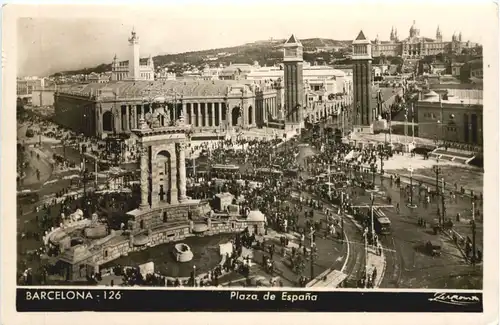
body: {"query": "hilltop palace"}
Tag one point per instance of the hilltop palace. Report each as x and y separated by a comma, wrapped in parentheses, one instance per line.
(416, 46)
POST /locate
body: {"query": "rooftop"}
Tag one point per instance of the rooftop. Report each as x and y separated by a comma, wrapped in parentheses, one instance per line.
(148, 89)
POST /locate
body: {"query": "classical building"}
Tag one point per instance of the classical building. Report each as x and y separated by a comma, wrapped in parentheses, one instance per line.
(294, 81)
(362, 83)
(134, 68)
(115, 107)
(315, 77)
(416, 46)
(448, 117)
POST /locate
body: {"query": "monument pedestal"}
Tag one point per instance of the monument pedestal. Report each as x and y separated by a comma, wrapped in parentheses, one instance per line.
(363, 129)
(408, 147)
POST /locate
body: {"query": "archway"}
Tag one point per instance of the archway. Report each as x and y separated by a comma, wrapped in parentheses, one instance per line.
(235, 114)
(107, 121)
(250, 115)
(163, 165)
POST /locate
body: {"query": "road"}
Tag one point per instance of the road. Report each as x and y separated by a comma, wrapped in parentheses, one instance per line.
(356, 258)
(408, 264)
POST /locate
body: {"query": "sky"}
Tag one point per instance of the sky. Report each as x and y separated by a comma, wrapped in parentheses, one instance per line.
(56, 38)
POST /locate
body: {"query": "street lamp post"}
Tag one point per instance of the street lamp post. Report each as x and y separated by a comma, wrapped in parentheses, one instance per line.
(381, 164)
(342, 213)
(473, 258)
(437, 170)
(194, 275)
(312, 254)
(411, 205)
(374, 170)
(443, 207)
(371, 216)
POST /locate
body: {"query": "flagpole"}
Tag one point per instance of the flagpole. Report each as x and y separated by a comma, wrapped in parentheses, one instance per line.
(412, 125)
(390, 126)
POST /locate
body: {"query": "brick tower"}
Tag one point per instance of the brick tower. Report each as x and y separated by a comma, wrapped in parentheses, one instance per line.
(362, 81)
(294, 81)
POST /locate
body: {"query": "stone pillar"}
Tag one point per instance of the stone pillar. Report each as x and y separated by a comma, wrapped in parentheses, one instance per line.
(144, 177)
(183, 111)
(117, 118)
(173, 176)
(127, 118)
(198, 114)
(229, 116)
(219, 113)
(205, 110)
(212, 111)
(254, 108)
(134, 117)
(181, 154)
(191, 113)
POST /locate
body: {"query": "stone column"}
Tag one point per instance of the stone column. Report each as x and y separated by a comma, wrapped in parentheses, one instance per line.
(205, 109)
(183, 111)
(219, 113)
(127, 118)
(212, 110)
(144, 177)
(155, 184)
(254, 108)
(198, 114)
(173, 176)
(191, 114)
(229, 116)
(134, 117)
(117, 118)
(181, 154)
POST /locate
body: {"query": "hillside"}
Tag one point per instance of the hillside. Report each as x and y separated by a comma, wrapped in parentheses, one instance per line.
(265, 52)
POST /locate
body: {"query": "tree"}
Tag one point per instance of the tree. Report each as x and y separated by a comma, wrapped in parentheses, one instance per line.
(20, 108)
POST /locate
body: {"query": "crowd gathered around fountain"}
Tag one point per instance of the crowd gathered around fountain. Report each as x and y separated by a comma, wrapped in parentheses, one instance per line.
(289, 194)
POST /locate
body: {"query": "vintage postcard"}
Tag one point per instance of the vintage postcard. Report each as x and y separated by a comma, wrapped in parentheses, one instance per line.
(250, 157)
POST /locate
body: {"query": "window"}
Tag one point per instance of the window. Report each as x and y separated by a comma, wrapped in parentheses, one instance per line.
(106, 253)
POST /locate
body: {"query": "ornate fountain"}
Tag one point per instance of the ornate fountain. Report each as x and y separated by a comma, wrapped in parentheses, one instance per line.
(183, 253)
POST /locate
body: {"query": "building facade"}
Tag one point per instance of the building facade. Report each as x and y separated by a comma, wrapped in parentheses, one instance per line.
(362, 82)
(293, 80)
(26, 86)
(449, 118)
(134, 68)
(217, 105)
(416, 46)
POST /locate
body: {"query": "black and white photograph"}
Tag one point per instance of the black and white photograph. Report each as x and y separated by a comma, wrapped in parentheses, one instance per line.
(265, 147)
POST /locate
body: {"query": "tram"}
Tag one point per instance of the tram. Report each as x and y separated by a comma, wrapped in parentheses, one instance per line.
(381, 223)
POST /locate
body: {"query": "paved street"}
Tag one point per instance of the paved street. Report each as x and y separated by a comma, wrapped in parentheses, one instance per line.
(408, 265)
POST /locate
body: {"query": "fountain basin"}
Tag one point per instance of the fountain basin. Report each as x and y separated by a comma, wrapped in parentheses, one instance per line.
(183, 253)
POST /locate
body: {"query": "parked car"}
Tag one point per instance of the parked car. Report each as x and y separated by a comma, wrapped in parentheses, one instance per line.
(433, 247)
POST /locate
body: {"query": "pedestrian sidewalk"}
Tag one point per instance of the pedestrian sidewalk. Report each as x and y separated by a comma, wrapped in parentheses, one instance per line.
(375, 261)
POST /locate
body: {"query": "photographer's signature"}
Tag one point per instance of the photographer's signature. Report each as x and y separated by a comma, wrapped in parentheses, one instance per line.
(455, 299)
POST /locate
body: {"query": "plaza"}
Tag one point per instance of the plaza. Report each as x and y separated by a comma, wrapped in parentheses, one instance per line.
(224, 183)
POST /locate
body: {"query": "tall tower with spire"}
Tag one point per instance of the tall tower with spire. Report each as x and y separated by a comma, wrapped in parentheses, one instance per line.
(439, 36)
(134, 58)
(362, 82)
(294, 80)
(392, 38)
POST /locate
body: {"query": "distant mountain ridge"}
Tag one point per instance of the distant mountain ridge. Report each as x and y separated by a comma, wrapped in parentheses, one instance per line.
(265, 52)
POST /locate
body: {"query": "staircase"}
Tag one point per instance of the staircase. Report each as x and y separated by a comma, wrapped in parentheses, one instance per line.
(455, 155)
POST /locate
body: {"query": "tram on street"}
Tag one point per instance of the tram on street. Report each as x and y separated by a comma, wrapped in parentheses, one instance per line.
(381, 223)
(224, 171)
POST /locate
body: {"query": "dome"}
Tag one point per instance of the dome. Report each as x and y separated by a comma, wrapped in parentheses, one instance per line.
(255, 216)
